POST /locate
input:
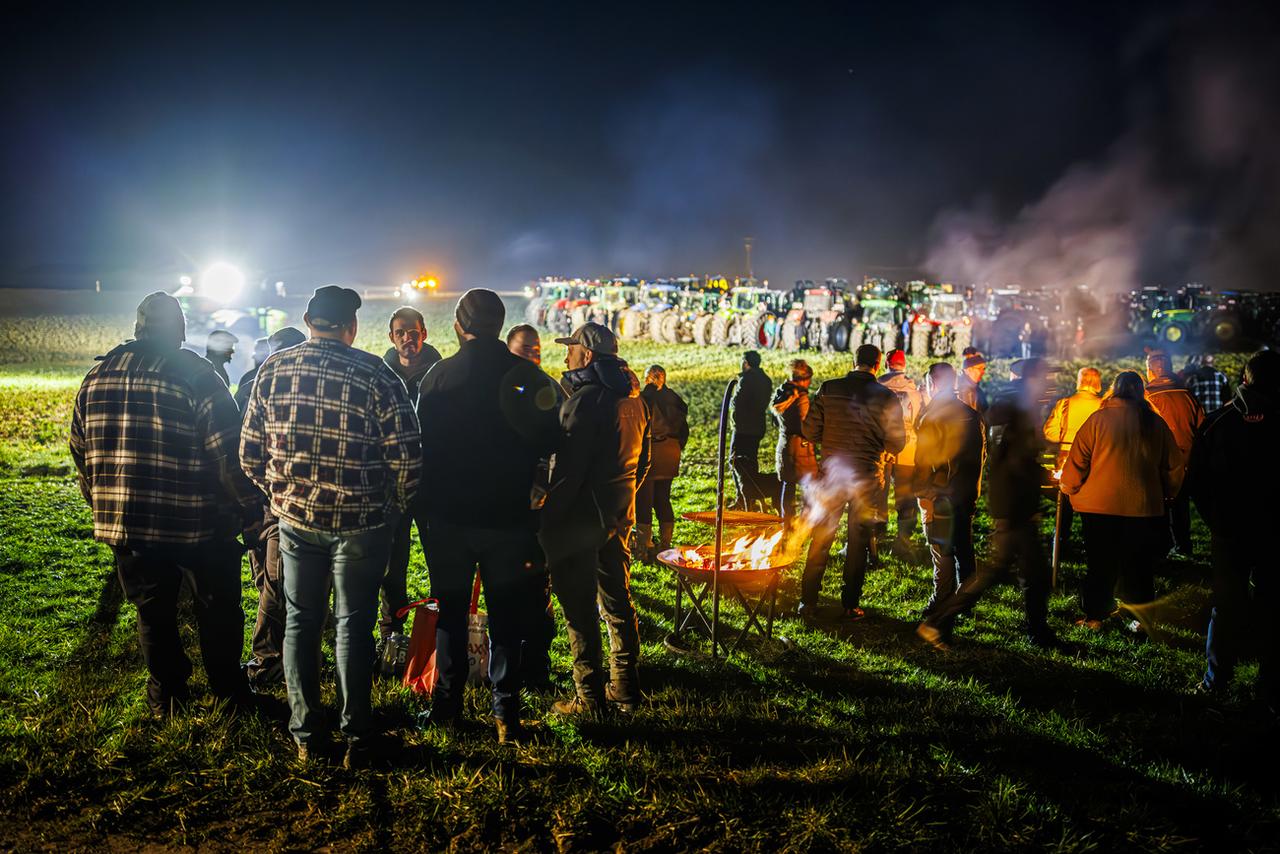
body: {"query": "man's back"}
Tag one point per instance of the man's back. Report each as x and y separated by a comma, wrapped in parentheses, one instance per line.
(487, 417)
(1068, 414)
(1178, 409)
(856, 418)
(949, 450)
(1234, 468)
(154, 436)
(603, 453)
(751, 402)
(330, 436)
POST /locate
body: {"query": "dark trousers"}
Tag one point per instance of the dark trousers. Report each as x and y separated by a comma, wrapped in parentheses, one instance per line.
(502, 556)
(1121, 549)
(904, 500)
(394, 593)
(949, 529)
(857, 553)
(267, 569)
(1180, 522)
(151, 579)
(1244, 602)
(654, 496)
(744, 457)
(1016, 546)
(587, 583)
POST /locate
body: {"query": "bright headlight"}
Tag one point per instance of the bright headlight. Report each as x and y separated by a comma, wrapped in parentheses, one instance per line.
(222, 282)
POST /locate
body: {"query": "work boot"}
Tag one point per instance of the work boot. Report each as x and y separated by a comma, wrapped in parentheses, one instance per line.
(665, 531)
(578, 707)
(621, 704)
(513, 732)
(644, 543)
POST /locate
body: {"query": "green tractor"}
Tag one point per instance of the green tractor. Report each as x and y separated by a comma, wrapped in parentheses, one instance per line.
(819, 318)
(552, 305)
(880, 316)
(607, 303)
(749, 316)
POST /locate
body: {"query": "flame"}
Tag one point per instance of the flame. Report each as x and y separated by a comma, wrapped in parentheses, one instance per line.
(756, 550)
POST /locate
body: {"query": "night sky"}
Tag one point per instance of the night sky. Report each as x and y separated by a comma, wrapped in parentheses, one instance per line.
(1058, 142)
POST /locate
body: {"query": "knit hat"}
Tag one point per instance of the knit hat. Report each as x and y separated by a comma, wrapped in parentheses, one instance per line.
(159, 312)
(480, 312)
(752, 358)
(332, 307)
(897, 360)
(972, 360)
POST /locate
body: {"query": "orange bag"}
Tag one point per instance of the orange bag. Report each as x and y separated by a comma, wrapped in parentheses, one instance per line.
(420, 672)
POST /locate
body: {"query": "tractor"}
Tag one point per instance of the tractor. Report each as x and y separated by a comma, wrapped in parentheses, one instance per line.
(749, 316)
(820, 318)
(880, 316)
(608, 301)
(554, 301)
(941, 324)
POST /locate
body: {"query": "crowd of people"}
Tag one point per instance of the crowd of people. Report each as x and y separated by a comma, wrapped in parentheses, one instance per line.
(328, 457)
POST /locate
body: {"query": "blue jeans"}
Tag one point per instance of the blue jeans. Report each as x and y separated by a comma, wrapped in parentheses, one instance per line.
(514, 593)
(353, 565)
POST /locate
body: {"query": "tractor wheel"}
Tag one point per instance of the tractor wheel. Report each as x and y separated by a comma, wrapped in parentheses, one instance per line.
(655, 326)
(600, 316)
(963, 338)
(1175, 334)
(920, 340)
(856, 336)
(670, 327)
(536, 311)
(733, 332)
(752, 332)
(719, 330)
(580, 315)
(702, 329)
(556, 320)
(792, 335)
(1225, 329)
(631, 325)
(837, 336)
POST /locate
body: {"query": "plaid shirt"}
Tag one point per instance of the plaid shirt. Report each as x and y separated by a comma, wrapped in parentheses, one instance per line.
(154, 436)
(1210, 388)
(330, 436)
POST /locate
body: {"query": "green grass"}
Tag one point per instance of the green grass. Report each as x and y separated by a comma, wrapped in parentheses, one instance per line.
(857, 737)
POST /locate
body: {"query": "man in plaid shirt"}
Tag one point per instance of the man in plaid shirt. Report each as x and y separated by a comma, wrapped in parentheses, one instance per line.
(1207, 384)
(154, 436)
(330, 436)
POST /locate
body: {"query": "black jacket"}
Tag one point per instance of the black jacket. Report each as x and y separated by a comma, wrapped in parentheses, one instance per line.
(603, 454)
(412, 375)
(857, 419)
(751, 402)
(950, 443)
(1234, 470)
(669, 427)
(487, 416)
(244, 388)
(1017, 470)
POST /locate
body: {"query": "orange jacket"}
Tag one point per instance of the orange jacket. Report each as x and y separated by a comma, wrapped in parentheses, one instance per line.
(1178, 409)
(1122, 464)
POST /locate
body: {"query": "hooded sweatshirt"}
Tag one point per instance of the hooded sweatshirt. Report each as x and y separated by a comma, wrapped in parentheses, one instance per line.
(1178, 409)
(912, 403)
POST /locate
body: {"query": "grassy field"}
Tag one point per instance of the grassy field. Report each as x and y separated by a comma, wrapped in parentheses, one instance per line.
(857, 737)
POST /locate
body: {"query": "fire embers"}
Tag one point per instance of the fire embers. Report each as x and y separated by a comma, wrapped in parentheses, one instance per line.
(755, 550)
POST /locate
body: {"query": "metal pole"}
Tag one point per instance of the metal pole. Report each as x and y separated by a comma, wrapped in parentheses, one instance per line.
(715, 567)
(1057, 543)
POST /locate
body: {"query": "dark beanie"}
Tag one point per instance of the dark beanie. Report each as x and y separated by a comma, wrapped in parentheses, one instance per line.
(481, 312)
(752, 358)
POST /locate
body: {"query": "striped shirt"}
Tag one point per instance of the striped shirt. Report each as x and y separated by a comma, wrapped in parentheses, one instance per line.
(154, 435)
(330, 436)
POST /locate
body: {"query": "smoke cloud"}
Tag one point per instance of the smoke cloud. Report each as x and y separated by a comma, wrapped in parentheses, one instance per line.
(1191, 192)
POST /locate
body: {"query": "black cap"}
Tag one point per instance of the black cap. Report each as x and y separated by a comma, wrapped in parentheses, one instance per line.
(480, 312)
(287, 336)
(332, 307)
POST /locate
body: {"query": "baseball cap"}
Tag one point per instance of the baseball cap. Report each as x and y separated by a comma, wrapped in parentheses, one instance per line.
(897, 359)
(332, 307)
(159, 311)
(972, 360)
(593, 336)
(287, 336)
(221, 341)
